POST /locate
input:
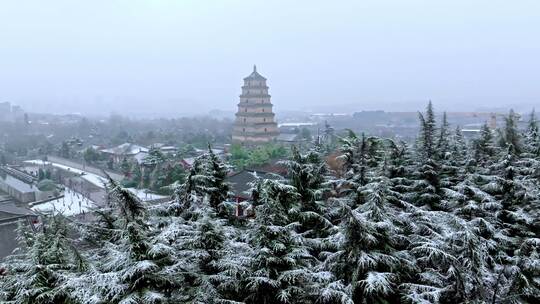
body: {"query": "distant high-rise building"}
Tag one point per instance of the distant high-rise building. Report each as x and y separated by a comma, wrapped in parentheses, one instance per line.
(254, 122)
(5, 111)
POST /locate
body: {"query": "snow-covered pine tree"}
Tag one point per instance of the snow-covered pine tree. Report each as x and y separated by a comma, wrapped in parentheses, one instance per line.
(514, 193)
(476, 240)
(443, 142)
(207, 177)
(307, 173)
(134, 267)
(359, 156)
(453, 258)
(524, 286)
(214, 261)
(397, 160)
(218, 189)
(370, 262)
(532, 136)
(426, 189)
(154, 157)
(398, 166)
(444, 154)
(509, 134)
(459, 147)
(454, 165)
(280, 271)
(46, 261)
(484, 147)
(188, 196)
(426, 142)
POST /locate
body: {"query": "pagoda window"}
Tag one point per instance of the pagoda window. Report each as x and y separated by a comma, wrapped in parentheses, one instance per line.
(265, 130)
(245, 109)
(244, 120)
(264, 119)
(263, 110)
(244, 130)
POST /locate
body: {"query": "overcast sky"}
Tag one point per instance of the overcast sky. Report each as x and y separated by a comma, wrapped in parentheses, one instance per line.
(179, 56)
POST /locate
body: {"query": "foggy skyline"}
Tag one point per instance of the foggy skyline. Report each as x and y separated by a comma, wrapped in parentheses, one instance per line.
(181, 57)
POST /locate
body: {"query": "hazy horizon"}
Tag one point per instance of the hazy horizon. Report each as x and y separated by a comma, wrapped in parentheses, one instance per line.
(167, 58)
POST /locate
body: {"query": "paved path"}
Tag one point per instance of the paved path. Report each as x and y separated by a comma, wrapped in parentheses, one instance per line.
(76, 165)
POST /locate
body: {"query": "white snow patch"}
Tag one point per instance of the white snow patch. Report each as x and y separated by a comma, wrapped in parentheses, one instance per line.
(72, 203)
(90, 177)
(145, 195)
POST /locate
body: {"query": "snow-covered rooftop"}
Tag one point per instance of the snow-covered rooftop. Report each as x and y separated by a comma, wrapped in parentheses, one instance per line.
(125, 149)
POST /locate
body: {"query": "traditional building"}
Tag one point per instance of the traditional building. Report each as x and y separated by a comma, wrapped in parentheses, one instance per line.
(254, 122)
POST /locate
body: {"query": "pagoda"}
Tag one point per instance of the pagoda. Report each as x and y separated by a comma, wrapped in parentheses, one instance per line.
(254, 122)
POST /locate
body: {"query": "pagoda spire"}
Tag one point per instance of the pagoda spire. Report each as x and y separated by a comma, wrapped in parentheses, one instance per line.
(254, 69)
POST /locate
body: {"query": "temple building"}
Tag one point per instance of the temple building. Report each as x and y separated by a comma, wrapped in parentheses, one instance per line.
(254, 122)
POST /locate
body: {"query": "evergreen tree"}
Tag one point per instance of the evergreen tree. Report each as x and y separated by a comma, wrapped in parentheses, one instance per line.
(397, 165)
(218, 189)
(453, 165)
(125, 167)
(484, 148)
(189, 194)
(65, 150)
(426, 189)
(510, 134)
(369, 260)
(459, 147)
(426, 146)
(443, 142)
(360, 156)
(214, 261)
(154, 157)
(46, 263)
(279, 264)
(133, 267)
(307, 173)
(532, 136)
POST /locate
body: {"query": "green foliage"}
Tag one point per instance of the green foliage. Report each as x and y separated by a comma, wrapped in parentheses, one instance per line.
(39, 273)
(306, 134)
(510, 135)
(426, 146)
(246, 157)
(91, 155)
(46, 185)
(154, 157)
(65, 150)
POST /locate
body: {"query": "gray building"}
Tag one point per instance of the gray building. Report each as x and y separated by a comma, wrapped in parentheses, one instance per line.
(10, 218)
(21, 186)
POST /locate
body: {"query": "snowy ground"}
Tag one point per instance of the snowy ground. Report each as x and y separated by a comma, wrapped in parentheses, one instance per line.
(97, 180)
(72, 203)
(90, 177)
(144, 195)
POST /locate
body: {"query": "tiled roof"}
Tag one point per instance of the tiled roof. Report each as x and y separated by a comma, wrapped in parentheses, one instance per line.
(240, 181)
(254, 75)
